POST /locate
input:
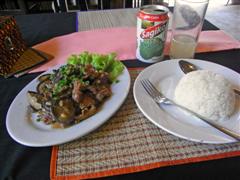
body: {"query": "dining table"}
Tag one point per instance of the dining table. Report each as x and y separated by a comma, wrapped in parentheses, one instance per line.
(18, 161)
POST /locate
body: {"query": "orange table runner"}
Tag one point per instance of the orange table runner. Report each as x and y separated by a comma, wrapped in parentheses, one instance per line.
(128, 143)
(122, 41)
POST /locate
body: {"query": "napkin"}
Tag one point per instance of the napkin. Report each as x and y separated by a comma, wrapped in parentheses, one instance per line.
(122, 41)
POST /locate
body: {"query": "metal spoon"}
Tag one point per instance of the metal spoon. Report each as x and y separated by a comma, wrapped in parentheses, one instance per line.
(187, 67)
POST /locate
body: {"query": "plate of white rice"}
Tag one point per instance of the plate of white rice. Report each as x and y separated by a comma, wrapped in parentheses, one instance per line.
(208, 92)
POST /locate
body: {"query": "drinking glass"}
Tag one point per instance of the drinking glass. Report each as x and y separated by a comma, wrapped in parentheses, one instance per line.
(188, 17)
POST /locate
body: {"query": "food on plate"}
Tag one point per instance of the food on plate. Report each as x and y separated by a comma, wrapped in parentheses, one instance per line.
(107, 63)
(207, 93)
(76, 90)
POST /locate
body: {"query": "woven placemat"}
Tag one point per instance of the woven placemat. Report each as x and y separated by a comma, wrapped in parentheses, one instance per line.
(127, 143)
(91, 20)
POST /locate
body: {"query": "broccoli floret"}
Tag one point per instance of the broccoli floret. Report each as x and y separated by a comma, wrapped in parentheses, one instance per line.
(151, 47)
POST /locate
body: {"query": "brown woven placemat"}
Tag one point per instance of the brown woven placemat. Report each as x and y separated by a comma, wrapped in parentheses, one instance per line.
(127, 143)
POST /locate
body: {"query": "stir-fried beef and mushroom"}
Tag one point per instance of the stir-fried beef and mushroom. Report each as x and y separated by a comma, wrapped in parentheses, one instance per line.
(71, 94)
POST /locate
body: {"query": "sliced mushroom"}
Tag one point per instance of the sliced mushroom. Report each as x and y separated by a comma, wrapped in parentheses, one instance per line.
(43, 86)
(87, 101)
(65, 93)
(63, 111)
(85, 113)
(103, 92)
(88, 108)
(44, 77)
(47, 106)
(35, 100)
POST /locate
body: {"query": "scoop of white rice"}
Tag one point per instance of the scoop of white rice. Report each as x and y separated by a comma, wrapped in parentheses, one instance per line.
(206, 93)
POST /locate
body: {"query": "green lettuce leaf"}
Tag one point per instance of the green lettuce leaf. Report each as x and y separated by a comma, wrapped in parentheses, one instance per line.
(115, 70)
(107, 63)
(83, 58)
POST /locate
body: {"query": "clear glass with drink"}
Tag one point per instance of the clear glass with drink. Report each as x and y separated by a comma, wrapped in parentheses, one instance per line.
(188, 17)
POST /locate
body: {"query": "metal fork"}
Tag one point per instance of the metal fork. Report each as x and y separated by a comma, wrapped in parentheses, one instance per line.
(159, 98)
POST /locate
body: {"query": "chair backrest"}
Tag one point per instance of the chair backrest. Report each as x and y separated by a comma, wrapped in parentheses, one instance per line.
(139, 3)
(15, 7)
(12, 7)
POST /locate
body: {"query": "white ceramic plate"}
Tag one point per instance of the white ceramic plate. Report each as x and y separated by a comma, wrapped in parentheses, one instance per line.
(24, 129)
(165, 76)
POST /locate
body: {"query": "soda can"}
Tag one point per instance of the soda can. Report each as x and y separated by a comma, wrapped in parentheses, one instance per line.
(152, 26)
